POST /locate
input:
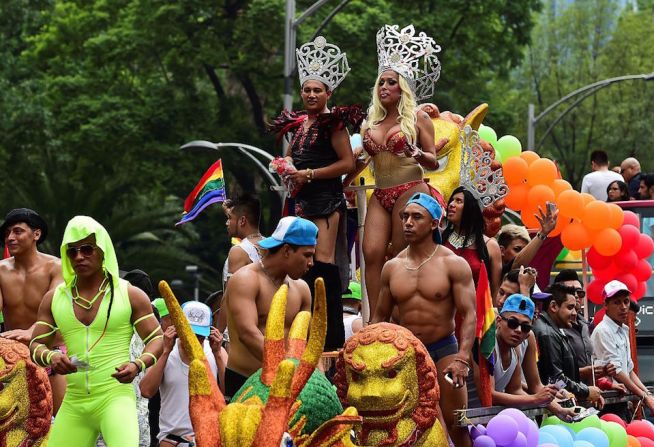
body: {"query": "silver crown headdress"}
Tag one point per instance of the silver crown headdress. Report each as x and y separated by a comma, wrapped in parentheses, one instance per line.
(411, 55)
(322, 61)
(485, 184)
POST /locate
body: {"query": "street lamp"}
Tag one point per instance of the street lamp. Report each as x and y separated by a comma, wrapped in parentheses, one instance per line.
(290, 40)
(585, 92)
(246, 150)
(193, 270)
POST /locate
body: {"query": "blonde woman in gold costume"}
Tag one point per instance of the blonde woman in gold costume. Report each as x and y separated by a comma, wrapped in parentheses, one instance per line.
(399, 139)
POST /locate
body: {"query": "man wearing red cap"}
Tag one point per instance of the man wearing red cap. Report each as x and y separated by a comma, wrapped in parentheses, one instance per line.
(25, 277)
(611, 341)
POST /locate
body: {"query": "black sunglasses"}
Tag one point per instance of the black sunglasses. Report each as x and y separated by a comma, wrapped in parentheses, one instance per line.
(85, 250)
(580, 293)
(513, 323)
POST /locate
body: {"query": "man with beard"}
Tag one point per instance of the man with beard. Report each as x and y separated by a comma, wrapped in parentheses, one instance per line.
(24, 278)
(290, 252)
(429, 284)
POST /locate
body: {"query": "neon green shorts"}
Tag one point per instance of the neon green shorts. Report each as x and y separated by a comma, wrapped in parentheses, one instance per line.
(82, 418)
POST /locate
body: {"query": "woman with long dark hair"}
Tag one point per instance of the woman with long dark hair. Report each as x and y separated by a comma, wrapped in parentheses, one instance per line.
(464, 235)
(617, 191)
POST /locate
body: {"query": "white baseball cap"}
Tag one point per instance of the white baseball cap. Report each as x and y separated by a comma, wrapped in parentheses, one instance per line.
(613, 287)
(199, 315)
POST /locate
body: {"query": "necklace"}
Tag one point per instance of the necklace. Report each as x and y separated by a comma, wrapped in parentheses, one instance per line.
(83, 302)
(413, 269)
(458, 240)
(253, 235)
(277, 284)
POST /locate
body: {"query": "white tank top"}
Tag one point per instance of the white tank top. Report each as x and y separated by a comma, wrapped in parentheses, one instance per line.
(250, 249)
(503, 376)
(174, 415)
(348, 319)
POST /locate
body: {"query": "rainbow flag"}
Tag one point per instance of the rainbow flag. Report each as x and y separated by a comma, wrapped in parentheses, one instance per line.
(485, 336)
(210, 189)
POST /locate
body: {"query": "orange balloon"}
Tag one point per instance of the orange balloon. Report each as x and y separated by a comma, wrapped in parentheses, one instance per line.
(587, 198)
(559, 185)
(538, 195)
(542, 172)
(529, 156)
(516, 199)
(515, 171)
(608, 242)
(633, 442)
(596, 215)
(561, 223)
(575, 236)
(528, 217)
(570, 204)
(616, 216)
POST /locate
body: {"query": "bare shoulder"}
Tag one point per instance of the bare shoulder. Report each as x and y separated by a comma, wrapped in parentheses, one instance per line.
(236, 252)
(53, 263)
(491, 243)
(6, 265)
(244, 284)
(299, 284)
(456, 265)
(137, 296)
(245, 274)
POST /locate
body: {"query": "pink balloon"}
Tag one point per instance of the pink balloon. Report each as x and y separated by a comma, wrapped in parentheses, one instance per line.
(596, 260)
(640, 428)
(631, 218)
(640, 291)
(629, 234)
(643, 270)
(645, 246)
(610, 417)
(645, 442)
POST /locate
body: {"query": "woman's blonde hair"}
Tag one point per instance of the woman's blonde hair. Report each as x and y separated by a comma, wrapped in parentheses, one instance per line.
(406, 109)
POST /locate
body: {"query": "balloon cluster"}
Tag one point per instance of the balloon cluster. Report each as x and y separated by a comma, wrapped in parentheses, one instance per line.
(510, 428)
(505, 147)
(628, 264)
(607, 431)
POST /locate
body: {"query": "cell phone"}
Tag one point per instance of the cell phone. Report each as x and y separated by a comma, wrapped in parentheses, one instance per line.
(449, 379)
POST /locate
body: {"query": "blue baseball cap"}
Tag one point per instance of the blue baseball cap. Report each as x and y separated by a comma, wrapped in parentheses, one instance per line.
(519, 304)
(432, 206)
(199, 315)
(292, 230)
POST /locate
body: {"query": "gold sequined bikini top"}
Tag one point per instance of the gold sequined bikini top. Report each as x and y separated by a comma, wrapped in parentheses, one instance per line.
(390, 165)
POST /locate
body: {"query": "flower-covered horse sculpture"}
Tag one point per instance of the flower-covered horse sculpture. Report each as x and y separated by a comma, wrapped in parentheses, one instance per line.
(271, 407)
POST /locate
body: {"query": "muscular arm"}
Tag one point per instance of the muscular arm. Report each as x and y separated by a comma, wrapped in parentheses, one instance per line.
(463, 292)
(56, 277)
(384, 305)
(146, 325)
(241, 304)
(305, 294)
(151, 381)
(495, 255)
(237, 258)
(426, 141)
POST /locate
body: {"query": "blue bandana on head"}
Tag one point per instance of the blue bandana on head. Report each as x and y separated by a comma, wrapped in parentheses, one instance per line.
(432, 206)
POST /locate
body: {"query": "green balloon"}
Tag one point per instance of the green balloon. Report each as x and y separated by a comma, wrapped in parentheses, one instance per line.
(498, 156)
(487, 133)
(591, 421)
(616, 433)
(509, 146)
(552, 420)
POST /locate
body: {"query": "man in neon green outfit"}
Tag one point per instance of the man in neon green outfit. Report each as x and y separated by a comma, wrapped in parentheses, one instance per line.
(96, 313)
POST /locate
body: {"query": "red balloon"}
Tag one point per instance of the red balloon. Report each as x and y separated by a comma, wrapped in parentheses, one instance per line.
(629, 234)
(631, 218)
(594, 291)
(628, 280)
(645, 442)
(610, 417)
(640, 429)
(645, 246)
(640, 291)
(599, 316)
(596, 260)
(642, 271)
(627, 259)
(607, 274)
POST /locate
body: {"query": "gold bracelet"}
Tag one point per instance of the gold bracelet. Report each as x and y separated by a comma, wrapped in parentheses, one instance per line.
(457, 359)
(309, 175)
